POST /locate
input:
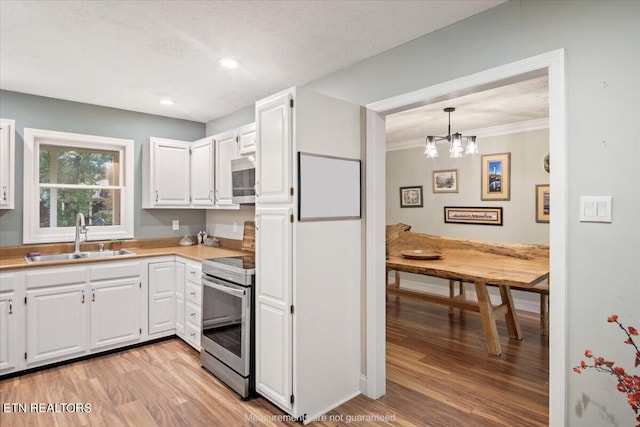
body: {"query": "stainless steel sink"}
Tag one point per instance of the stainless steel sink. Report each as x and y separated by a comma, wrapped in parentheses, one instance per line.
(81, 255)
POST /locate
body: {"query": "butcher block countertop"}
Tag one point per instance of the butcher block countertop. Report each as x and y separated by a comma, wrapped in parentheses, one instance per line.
(13, 257)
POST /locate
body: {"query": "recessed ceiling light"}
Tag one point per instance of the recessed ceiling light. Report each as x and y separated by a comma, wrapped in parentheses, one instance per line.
(166, 101)
(228, 63)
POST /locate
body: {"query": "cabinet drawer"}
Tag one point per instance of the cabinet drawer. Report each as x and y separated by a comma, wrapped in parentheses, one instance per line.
(193, 314)
(193, 273)
(194, 293)
(193, 335)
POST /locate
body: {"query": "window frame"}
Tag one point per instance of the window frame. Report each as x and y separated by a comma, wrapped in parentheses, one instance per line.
(33, 138)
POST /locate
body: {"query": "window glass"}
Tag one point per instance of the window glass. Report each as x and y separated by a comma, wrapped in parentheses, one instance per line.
(59, 206)
(66, 165)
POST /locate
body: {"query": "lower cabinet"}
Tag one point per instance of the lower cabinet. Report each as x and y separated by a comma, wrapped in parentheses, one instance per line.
(56, 322)
(9, 353)
(193, 305)
(180, 280)
(115, 306)
(52, 314)
(162, 297)
(72, 311)
(56, 313)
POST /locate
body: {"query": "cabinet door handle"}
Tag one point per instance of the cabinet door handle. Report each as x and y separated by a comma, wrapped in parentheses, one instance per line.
(82, 297)
(210, 193)
(4, 192)
(255, 189)
(10, 306)
(93, 296)
(192, 334)
(193, 315)
(156, 195)
(193, 294)
(255, 223)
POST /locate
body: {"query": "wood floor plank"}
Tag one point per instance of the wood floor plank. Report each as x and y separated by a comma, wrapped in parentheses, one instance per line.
(438, 374)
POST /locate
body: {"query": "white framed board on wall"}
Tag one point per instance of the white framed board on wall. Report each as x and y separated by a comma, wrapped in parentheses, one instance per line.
(329, 188)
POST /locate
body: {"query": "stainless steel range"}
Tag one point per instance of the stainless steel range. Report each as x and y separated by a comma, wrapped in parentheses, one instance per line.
(227, 321)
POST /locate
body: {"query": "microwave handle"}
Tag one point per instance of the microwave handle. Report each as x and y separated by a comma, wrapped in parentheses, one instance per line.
(222, 288)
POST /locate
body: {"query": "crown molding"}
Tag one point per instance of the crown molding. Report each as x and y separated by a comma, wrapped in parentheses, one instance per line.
(508, 129)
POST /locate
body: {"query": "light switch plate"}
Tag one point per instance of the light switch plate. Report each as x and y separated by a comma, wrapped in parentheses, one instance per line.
(595, 209)
(175, 225)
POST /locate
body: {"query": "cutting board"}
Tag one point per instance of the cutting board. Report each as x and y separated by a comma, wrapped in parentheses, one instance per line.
(249, 236)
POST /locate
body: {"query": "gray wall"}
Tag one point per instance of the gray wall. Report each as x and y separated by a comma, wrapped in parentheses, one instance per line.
(54, 114)
(410, 167)
(601, 40)
(239, 118)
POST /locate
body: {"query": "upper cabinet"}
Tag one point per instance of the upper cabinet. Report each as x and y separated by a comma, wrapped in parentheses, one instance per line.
(274, 149)
(226, 150)
(203, 173)
(247, 140)
(197, 175)
(166, 174)
(7, 163)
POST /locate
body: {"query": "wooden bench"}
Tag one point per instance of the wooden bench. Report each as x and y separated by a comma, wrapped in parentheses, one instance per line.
(398, 238)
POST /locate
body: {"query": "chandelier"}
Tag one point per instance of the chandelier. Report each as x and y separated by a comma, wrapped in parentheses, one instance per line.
(455, 141)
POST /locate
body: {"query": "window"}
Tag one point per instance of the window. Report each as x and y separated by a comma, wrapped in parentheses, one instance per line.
(66, 173)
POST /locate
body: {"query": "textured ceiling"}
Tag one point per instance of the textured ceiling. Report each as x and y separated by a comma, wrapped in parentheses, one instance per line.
(128, 54)
(505, 105)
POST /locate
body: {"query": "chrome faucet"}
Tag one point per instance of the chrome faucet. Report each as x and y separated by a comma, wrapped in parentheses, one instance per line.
(81, 228)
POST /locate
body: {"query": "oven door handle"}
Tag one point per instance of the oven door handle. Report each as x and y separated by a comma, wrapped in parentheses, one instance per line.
(225, 289)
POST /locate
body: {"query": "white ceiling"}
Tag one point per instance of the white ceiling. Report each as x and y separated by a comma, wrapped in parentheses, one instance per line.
(128, 54)
(521, 102)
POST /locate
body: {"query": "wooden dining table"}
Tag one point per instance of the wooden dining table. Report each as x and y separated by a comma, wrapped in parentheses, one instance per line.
(482, 267)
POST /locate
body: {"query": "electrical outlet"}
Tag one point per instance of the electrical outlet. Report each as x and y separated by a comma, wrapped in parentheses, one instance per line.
(176, 225)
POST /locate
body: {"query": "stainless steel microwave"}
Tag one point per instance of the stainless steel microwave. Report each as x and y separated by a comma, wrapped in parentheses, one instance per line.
(243, 180)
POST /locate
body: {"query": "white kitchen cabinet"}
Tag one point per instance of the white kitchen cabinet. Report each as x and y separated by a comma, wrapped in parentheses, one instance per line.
(273, 300)
(308, 272)
(115, 292)
(56, 313)
(180, 289)
(162, 297)
(193, 305)
(56, 322)
(203, 173)
(247, 139)
(274, 121)
(166, 174)
(9, 351)
(226, 150)
(7, 163)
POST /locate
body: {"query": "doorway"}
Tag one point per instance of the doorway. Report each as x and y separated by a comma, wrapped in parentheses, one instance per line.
(553, 64)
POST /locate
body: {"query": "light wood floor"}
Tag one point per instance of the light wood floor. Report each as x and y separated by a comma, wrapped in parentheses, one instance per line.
(438, 374)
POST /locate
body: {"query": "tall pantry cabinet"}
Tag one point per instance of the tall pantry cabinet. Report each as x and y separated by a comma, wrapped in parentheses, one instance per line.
(308, 273)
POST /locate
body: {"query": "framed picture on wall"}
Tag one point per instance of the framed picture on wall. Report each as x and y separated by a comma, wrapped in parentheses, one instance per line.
(445, 181)
(411, 197)
(542, 202)
(473, 215)
(496, 177)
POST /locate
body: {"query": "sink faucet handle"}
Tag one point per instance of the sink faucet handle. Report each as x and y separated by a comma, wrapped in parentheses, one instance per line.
(101, 247)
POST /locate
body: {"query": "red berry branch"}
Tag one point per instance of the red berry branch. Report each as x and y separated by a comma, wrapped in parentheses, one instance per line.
(627, 383)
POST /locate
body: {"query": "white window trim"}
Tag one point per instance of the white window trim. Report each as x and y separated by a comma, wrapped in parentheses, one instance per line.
(32, 233)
